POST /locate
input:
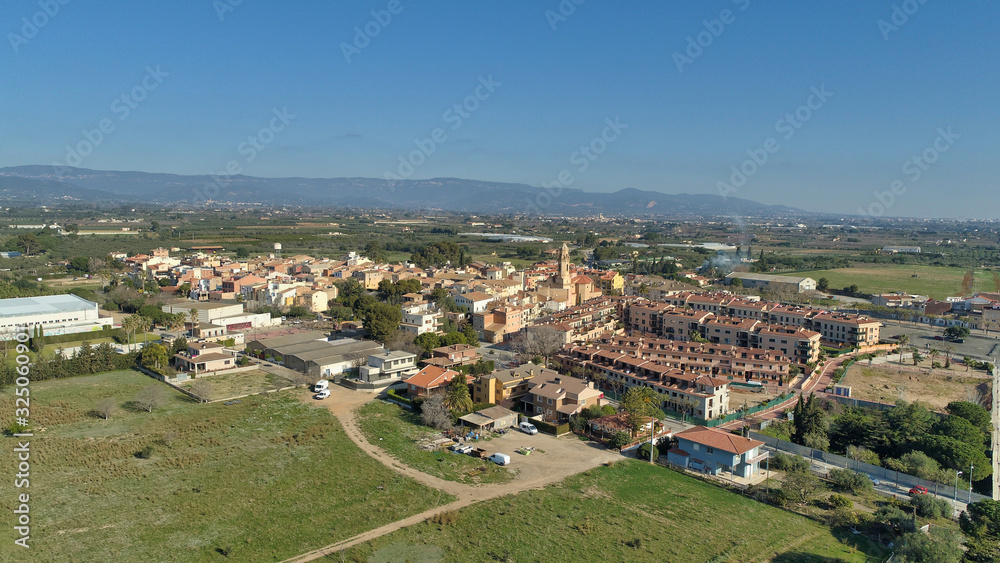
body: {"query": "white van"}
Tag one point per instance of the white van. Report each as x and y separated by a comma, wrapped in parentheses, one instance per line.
(527, 428)
(321, 385)
(500, 459)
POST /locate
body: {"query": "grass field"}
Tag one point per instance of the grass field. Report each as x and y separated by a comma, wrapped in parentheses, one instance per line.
(399, 432)
(226, 385)
(934, 281)
(629, 512)
(262, 480)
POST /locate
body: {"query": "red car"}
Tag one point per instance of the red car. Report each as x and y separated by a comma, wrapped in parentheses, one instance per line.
(918, 490)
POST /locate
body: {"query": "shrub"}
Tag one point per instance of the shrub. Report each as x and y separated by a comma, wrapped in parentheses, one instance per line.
(620, 439)
(146, 452)
(840, 501)
(930, 506)
(643, 452)
(848, 480)
(789, 464)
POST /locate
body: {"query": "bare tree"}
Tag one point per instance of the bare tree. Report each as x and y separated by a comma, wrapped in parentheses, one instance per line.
(203, 389)
(106, 407)
(537, 341)
(435, 414)
(151, 397)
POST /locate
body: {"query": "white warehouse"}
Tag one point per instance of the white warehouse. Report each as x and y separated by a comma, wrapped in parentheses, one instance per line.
(56, 314)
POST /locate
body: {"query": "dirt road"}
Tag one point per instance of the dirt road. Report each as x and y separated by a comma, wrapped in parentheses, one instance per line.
(562, 458)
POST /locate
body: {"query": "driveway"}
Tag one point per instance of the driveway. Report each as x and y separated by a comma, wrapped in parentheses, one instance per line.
(553, 460)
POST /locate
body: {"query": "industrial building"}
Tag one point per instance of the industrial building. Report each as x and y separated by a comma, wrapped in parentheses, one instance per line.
(56, 314)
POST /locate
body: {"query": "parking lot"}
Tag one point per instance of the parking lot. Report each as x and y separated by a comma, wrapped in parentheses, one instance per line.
(551, 456)
(922, 336)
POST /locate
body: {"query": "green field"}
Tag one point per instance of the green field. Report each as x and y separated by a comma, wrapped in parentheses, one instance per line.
(629, 512)
(938, 282)
(398, 431)
(262, 480)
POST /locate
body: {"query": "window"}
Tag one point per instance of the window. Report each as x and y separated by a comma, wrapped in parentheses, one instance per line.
(709, 450)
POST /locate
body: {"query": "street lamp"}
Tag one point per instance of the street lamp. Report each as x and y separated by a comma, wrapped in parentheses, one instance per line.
(970, 482)
(954, 498)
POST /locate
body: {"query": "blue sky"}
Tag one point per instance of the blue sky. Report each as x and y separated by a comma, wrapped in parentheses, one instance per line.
(894, 91)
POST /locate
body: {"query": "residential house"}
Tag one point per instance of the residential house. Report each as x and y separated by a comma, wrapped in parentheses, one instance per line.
(556, 398)
(716, 452)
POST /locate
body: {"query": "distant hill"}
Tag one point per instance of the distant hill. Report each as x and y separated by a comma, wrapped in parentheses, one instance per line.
(42, 183)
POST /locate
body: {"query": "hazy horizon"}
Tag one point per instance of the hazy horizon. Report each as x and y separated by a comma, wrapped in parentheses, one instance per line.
(856, 107)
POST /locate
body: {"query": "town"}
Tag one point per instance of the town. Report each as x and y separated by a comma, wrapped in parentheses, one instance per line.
(478, 362)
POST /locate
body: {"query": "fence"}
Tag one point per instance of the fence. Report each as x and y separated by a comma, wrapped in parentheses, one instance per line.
(881, 473)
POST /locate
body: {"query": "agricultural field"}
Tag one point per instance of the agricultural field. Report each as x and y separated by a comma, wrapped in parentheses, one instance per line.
(890, 383)
(631, 511)
(938, 282)
(399, 432)
(262, 480)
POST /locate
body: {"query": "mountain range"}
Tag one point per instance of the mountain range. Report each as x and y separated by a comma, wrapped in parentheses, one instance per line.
(41, 184)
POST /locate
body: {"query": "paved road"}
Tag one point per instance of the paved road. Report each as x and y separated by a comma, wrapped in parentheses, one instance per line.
(554, 460)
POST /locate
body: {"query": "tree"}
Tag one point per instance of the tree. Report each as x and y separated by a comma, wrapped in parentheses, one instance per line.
(106, 407)
(435, 414)
(471, 337)
(456, 397)
(27, 242)
(939, 545)
(962, 430)
(537, 341)
(903, 341)
(957, 331)
(809, 419)
(375, 252)
(427, 341)
(381, 320)
(643, 452)
(800, 486)
(736, 282)
(639, 404)
(967, 282)
(920, 465)
(242, 253)
(154, 356)
(619, 440)
(202, 389)
(980, 522)
(823, 284)
(150, 397)
(976, 414)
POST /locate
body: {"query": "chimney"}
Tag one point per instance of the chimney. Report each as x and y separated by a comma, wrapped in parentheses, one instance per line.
(558, 380)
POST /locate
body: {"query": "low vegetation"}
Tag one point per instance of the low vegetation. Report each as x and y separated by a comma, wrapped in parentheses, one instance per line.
(628, 511)
(262, 480)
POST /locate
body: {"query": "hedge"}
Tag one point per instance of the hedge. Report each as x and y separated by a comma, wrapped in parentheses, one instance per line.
(552, 429)
(395, 396)
(81, 336)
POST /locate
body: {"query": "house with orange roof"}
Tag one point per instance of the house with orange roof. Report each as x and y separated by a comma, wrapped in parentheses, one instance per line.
(432, 379)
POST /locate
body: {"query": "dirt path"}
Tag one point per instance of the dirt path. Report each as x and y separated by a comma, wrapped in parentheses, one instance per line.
(342, 404)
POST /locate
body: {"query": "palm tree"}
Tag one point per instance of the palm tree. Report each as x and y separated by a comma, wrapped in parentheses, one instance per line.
(143, 324)
(457, 397)
(903, 341)
(933, 353)
(948, 349)
(193, 315)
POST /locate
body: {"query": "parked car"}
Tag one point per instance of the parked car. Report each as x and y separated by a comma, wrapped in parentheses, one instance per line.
(918, 490)
(527, 428)
(322, 394)
(321, 385)
(500, 459)
(464, 449)
(875, 481)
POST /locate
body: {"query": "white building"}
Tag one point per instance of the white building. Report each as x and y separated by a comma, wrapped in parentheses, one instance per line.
(388, 366)
(56, 314)
(420, 318)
